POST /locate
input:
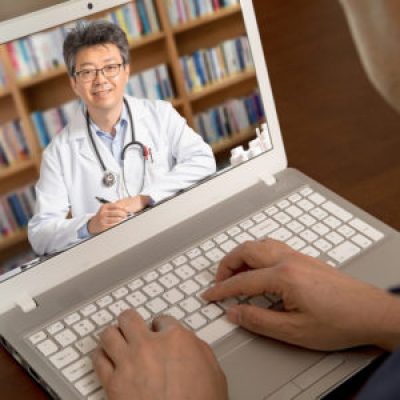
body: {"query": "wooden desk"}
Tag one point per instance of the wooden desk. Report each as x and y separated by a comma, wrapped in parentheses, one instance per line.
(336, 128)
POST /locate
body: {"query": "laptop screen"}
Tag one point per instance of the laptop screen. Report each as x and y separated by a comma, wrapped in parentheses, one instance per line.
(195, 55)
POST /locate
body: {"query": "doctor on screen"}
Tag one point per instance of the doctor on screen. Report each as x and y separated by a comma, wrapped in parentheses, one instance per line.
(118, 155)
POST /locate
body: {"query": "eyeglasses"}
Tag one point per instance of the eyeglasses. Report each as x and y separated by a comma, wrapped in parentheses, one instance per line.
(90, 74)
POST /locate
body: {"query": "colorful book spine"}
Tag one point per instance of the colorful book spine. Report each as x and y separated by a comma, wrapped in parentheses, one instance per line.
(13, 146)
(229, 118)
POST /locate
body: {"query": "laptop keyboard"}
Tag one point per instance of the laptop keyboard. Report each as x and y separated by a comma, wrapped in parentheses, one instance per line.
(305, 220)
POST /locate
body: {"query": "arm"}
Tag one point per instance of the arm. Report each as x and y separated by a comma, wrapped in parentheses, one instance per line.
(375, 26)
(193, 158)
(324, 309)
(165, 361)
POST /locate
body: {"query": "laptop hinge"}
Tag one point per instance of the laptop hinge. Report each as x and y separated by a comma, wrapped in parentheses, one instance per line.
(268, 179)
(26, 302)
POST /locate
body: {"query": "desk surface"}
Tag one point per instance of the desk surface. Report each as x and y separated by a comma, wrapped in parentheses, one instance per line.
(336, 128)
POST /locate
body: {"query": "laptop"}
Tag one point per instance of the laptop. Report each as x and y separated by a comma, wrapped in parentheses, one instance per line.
(52, 312)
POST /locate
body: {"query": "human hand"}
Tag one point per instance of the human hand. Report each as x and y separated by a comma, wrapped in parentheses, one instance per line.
(134, 204)
(108, 215)
(324, 309)
(167, 362)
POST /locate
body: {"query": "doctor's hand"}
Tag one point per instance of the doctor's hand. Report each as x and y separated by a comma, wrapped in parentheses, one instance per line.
(107, 216)
(323, 308)
(134, 204)
(164, 362)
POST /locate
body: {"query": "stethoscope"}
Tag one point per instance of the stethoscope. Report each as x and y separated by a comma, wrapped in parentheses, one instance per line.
(109, 178)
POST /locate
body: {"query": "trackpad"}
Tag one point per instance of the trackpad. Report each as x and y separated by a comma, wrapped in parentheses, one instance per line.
(261, 366)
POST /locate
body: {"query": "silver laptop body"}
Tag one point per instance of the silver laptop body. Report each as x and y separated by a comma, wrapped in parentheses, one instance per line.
(256, 367)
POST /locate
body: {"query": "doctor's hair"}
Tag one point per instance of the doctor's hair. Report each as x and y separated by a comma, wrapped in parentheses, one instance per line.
(87, 34)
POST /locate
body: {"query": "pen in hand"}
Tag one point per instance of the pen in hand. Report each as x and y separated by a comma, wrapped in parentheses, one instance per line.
(102, 201)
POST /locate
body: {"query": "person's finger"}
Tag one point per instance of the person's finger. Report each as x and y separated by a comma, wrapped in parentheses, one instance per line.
(132, 325)
(164, 322)
(102, 364)
(252, 254)
(274, 324)
(247, 283)
(113, 344)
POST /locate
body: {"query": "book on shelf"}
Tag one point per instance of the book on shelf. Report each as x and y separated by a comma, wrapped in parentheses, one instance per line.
(211, 65)
(153, 83)
(13, 146)
(43, 51)
(16, 209)
(181, 11)
(229, 118)
(50, 122)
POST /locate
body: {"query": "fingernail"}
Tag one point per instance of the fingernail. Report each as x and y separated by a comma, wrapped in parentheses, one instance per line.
(233, 315)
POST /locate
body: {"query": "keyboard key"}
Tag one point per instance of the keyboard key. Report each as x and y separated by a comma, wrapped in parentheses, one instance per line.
(215, 255)
(318, 213)
(169, 280)
(209, 244)
(306, 191)
(156, 305)
(185, 272)
(64, 357)
(175, 312)
(221, 238)
(322, 245)
(270, 211)
(153, 289)
(72, 318)
(189, 287)
(47, 347)
(84, 327)
(281, 234)
(99, 395)
(179, 261)
(337, 211)
(150, 276)
(295, 197)
(89, 309)
(309, 236)
(283, 204)
(190, 304)
(216, 330)
(195, 321)
(78, 369)
(65, 337)
(86, 345)
(193, 253)
(296, 243)
(361, 240)
(334, 237)
(332, 221)
(200, 263)
(118, 307)
(295, 226)
(173, 296)
(246, 224)
(259, 217)
(305, 204)
(204, 278)
(344, 251)
(263, 229)
(104, 301)
(120, 292)
(88, 384)
(316, 198)
(233, 231)
(307, 220)
(320, 228)
(143, 313)
(228, 246)
(243, 237)
(136, 298)
(346, 231)
(137, 283)
(54, 328)
(37, 337)
(282, 218)
(165, 268)
(102, 317)
(211, 311)
(228, 303)
(366, 229)
(294, 211)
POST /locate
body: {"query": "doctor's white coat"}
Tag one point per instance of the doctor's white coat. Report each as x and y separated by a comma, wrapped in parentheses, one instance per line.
(71, 176)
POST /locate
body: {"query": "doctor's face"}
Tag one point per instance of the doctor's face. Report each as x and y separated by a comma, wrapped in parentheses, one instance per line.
(101, 91)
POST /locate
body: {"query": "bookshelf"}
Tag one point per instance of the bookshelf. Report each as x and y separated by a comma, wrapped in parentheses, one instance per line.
(19, 97)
